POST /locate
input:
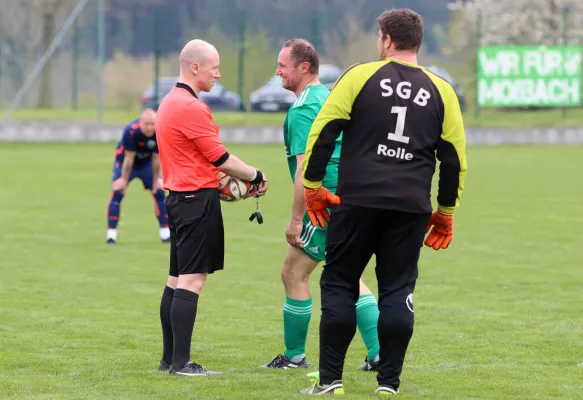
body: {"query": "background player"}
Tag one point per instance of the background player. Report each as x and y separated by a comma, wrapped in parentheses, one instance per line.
(136, 156)
(298, 65)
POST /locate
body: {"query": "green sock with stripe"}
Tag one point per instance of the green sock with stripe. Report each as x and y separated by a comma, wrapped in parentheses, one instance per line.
(367, 317)
(296, 319)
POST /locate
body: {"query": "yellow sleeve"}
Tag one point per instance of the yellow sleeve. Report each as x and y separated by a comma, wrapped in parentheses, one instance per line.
(332, 119)
(451, 150)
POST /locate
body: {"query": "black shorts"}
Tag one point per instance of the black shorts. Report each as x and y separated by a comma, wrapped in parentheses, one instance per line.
(197, 240)
(357, 233)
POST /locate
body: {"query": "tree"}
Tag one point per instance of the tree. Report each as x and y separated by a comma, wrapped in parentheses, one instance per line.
(513, 22)
(19, 37)
(260, 59)
(46, 12)
(351, 45)
(518, 22)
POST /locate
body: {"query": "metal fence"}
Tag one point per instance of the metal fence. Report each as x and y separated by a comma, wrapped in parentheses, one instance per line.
(100, 55)
(103, 54)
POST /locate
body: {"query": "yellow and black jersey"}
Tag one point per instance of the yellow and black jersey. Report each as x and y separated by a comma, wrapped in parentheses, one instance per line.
(395, 118)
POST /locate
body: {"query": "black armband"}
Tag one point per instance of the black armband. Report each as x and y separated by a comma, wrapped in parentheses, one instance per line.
(222, 159)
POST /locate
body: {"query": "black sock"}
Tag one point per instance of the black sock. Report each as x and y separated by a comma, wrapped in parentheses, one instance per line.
(183, 314)
(165, 320)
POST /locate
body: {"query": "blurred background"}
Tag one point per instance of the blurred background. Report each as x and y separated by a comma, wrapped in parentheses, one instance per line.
(99, 58)
(496, 312)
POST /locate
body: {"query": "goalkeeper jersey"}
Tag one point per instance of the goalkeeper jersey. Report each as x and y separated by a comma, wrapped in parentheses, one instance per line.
(296, 129)
(397, 119)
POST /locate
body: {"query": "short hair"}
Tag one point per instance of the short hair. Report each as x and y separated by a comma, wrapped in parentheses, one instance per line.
(303, 51)
(404, 26)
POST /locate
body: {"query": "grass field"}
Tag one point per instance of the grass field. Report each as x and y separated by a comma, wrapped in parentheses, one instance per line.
(498, 314)
(486, 118)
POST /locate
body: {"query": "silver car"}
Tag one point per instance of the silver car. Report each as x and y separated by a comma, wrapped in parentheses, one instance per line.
(272, 97)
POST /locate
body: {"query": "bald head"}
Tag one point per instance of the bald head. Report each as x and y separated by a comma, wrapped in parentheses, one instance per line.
(199, 65)
(148, 113)
(148, 121)
(196, 51)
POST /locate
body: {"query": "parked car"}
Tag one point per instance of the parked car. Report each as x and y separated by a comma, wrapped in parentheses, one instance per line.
(218, 99)
(272, 97)
(458, 89)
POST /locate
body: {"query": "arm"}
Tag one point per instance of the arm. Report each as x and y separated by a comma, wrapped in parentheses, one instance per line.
(300, 120)
(156, 171)
(298, 205)
(234, 167)
(129, 145)
(451, 152)
(293, 231)
(126, 169)
(128, 163)
(129, 156)
(205, 136)
(331, 120)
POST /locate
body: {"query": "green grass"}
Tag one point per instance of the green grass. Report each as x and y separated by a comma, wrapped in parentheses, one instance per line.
(498, 314)
(488, 117)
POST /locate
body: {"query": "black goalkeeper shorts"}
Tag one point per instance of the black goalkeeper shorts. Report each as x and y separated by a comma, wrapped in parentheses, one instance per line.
(197, 239)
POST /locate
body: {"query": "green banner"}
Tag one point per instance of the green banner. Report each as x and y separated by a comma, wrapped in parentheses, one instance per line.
(539, 76)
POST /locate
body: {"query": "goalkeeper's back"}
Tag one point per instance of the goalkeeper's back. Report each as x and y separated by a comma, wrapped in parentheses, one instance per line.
(395, 117)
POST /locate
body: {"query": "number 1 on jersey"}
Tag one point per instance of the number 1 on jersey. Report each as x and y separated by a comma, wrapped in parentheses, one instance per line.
(398, 135)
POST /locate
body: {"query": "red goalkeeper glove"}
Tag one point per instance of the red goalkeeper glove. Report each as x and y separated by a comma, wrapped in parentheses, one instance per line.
(317, 202)
(442, 231)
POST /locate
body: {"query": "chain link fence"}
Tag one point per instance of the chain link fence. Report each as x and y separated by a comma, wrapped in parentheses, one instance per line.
(116, 71)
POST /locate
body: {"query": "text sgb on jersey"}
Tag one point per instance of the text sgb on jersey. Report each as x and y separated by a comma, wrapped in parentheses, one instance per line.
(403, 90)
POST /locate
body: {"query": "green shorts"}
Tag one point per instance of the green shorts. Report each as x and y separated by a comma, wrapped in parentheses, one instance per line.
(314, 238)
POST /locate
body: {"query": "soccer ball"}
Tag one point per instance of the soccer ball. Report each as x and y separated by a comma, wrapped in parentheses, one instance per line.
(234, 189)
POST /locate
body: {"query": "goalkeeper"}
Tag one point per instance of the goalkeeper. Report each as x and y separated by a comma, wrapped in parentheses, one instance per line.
(298, 65)
(396, 118)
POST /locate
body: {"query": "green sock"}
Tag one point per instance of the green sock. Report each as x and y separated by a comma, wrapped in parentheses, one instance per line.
(296, 319)
(367, 317)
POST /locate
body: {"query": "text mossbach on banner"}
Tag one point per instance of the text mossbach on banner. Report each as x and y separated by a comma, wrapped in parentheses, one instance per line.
(540, 76)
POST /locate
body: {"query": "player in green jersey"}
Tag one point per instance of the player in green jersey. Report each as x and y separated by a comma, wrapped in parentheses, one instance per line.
(298, 65)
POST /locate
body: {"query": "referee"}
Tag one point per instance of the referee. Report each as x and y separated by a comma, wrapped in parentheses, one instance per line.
(396, 117)
(191, 156)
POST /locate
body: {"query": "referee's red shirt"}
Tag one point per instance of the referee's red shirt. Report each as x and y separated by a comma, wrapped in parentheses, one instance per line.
(188, 142)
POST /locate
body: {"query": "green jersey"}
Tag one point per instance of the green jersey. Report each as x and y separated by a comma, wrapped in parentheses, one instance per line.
(296, 129)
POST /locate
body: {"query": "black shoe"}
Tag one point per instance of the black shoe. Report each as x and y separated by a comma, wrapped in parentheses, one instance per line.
(165, 240)
(163, 366)
(192, 369)
(110, 241)
(386, 390)
(369, 365)
(282, 362)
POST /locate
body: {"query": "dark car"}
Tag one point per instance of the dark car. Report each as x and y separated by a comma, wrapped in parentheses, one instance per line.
(272, 97)
(218, 99)
(458, 89)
